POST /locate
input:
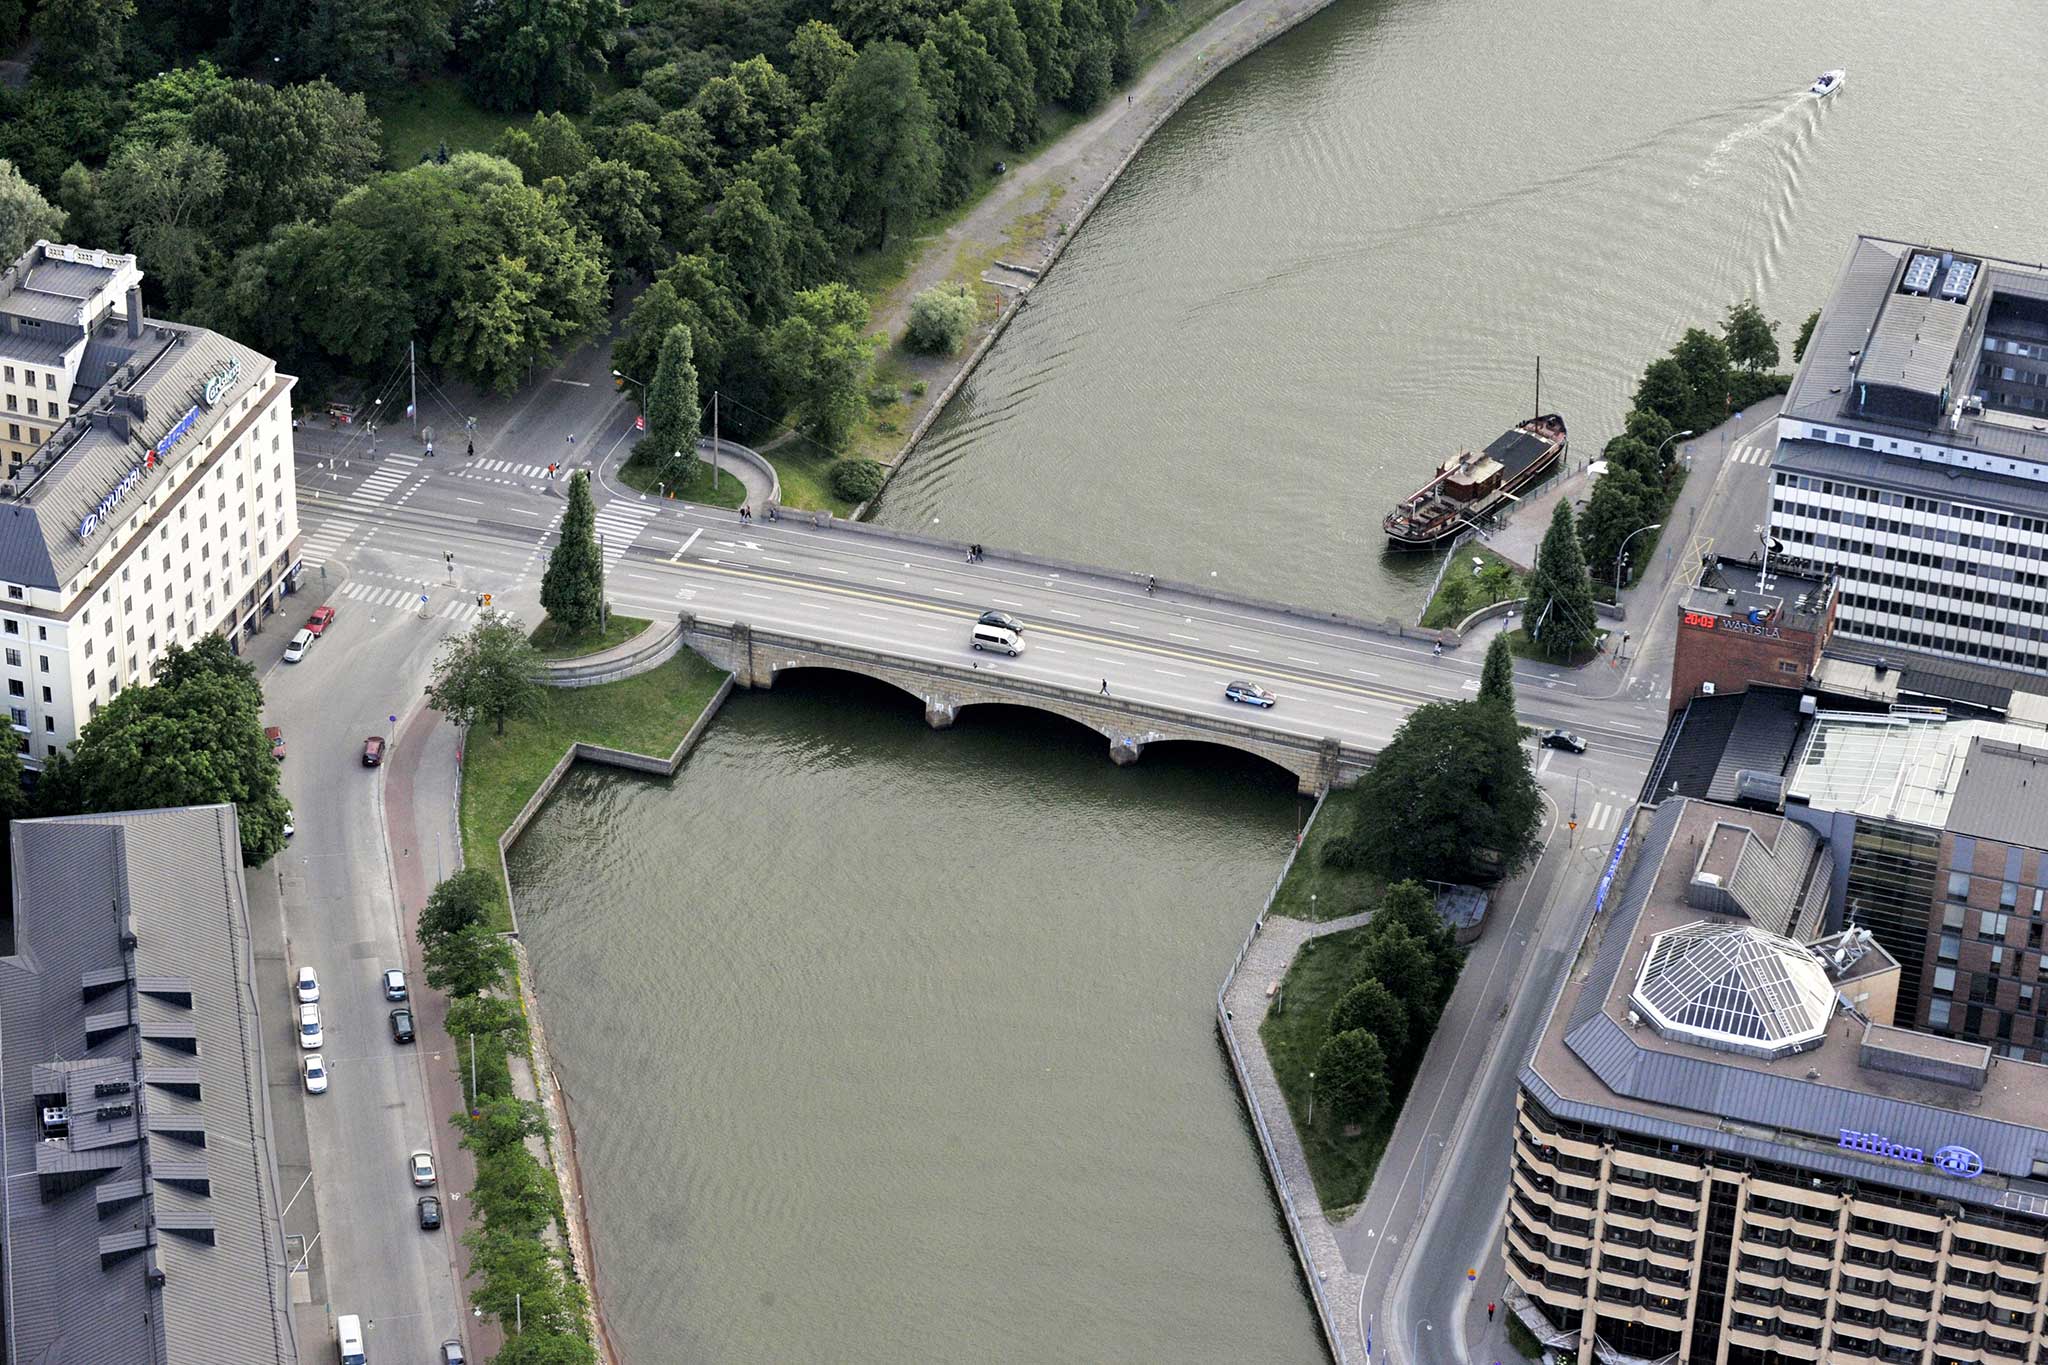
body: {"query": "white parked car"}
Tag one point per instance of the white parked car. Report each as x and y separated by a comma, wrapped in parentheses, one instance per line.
(310, 1037)
(394, 984)
(316, 1074)
(421, 1164)
(308, 986)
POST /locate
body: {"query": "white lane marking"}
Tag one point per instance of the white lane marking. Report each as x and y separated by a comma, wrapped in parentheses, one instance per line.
(949, 592)
(525, 511)
(922, 626)
(826, 568)
(478, 501)
(870, 616)
(577, 383)
(713, 559)
(1007, 601)
(1071, 615)
(1623, 725)
(1193, 639)
(1298, 659)
(1242, 649)
(1352, 709)
(896, 581)
(644, 578)
(1048, 649)
(758, 596)
(1125, 624)
(1544, 766)
(771, 559)
(1361, 673)
(677, 557)
(1167, 672)
(664, 539)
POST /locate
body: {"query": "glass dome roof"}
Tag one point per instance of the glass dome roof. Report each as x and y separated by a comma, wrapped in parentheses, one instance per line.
(1736, 988)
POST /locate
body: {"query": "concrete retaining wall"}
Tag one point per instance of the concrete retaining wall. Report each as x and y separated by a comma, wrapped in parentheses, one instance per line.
(644, 653)
(748, 456)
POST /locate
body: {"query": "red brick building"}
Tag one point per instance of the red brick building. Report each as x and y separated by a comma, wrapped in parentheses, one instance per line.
(1739, 624)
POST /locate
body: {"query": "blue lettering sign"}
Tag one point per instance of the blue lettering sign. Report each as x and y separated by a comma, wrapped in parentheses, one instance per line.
(177, 431)
(1959, 1162)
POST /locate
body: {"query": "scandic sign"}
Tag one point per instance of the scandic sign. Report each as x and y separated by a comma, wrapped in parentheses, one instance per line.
(1959, 1162)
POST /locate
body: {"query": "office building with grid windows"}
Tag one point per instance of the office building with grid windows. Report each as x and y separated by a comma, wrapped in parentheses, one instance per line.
(149, 497)
(1912, 454)
(1725, 1151)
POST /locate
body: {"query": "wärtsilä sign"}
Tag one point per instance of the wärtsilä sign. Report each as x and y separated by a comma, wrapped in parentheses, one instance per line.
(1959, 1162)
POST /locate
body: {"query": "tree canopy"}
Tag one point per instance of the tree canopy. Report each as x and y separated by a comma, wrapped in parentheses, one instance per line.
(194, 737)
(25, 216)
(1559, 613)
(673, 424)
(1452, 797)
(1748, 335)
(1497, 674)
(490, 672)
(1351, 1076)
(572, 588)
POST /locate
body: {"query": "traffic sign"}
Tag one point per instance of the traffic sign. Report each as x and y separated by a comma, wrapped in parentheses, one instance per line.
(640, 424)
(392, 719)
(423, 599)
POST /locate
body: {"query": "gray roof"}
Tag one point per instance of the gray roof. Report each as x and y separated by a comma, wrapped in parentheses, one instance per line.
(1594, 1068)
(89, 454)
(2003, 794)
(1866, 315)
(73, 279)
(45, 346)
(149, 1229)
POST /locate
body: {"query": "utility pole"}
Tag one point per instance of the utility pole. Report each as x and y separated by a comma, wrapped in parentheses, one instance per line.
(472, 1054)
(412, 365)
(714, 440)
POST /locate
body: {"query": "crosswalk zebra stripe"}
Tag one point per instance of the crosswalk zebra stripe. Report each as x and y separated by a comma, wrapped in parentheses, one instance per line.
(619, 524)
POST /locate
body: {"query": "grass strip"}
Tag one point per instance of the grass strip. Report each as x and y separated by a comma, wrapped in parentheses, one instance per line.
(554, 642)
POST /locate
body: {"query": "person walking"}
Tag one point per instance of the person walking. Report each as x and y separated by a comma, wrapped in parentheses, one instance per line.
(1105, 687)
(472, 449)
(1489, 1312)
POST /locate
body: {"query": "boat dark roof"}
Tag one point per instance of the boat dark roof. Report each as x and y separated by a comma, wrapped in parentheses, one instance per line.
(1516, 449)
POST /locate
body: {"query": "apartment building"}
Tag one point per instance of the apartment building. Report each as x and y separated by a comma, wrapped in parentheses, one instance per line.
(149, 497)
(1726, 1153)
(141, 1214)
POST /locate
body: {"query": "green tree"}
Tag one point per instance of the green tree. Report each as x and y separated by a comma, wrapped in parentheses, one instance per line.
(968, 94)
(466, 900)
(291, 153)
(1496, 581)
(1558, 612)
(160, 108)
(509, 1262)
(821, 353)
(1045, 43)
(1704, 359)
(1497, 674)
(162, 200)
(1454, 598)
(494, 1020)
(1412, 966)
(488, 673)
(500, 1124)
(1451, 798)
(619, 207)
(818, 57)
(882, 132)
(81, 42)
(194, 737)
(869, 22)
(1649, 428)
(371, 44)
(1351, 1076)
(858, 480)
(536, 54)
(468, 962)
(25, 216)
(1667, 391)
(690, 293)
(1805, 336)
(1620, 505)
(1412, 905)
(545, 1348)
(941, 318)
(550, 145)
(1748, 336)
(572, 588)
(753, 241)
(996, 22)
(1370, 1006)
(673, 417)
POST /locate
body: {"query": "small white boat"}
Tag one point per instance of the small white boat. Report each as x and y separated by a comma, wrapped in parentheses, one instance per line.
(1829, 83)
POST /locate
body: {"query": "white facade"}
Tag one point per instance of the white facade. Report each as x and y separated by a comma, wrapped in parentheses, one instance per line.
(164, 509)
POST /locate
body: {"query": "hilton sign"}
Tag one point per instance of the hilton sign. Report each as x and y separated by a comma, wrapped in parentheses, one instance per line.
(1959, 1162)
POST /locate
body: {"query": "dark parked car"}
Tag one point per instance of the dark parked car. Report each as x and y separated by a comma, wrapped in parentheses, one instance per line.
(1251, 694)
(1562, 739)
(401, 1026)
(992, 617)
(373, 751)
(451, 1353)
(430, 1213)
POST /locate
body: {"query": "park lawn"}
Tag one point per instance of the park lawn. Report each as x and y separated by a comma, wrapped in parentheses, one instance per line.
(642, 478)
(648, 714)
(1294, 1032)
(805, 473)
(1522, 647)
(1314, 891)
(554, 642)
(1439, 612)
(421, 116)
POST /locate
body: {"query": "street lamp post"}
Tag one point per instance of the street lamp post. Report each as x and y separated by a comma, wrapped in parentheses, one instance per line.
(1311, 1099)
(1622, 553)
(1674, 436)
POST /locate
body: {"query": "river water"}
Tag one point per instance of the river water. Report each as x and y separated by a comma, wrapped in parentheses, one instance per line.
(892, 1045)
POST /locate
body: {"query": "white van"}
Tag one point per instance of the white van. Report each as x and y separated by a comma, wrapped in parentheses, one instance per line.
(296, 650)
(1002, 641)
(349, 1328)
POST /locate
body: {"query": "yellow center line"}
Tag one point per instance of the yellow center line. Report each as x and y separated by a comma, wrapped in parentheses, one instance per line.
(1064, 633)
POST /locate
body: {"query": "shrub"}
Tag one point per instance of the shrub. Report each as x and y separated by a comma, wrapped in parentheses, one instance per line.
(1745, 388)
(858, 480)
(917, 389)
(882, 395)
(941, 317)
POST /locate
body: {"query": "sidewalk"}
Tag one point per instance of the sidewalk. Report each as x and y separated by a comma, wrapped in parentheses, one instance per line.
(419, 813)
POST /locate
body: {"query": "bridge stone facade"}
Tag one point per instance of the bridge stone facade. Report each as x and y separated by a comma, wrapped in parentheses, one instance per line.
(755, 657)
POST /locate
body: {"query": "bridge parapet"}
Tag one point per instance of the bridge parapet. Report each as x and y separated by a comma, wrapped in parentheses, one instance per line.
(755, 657)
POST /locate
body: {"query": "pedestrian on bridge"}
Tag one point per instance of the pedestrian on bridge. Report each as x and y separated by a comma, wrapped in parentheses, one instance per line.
(1105, 687)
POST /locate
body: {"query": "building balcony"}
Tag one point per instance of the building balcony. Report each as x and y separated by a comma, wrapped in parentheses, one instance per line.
(1609, 1354)
(1551, 1336)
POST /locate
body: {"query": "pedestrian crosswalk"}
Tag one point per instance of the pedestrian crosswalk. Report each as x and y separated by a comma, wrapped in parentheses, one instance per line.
(1601, 818)
(407, 599)
(322, 544)
(618, 525)
(1744, 453)
(391, 472)
(524, 471)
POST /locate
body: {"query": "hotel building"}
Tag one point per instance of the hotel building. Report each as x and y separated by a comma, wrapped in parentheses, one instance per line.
(149, 497)
(1912, 455)
(1726, 1153)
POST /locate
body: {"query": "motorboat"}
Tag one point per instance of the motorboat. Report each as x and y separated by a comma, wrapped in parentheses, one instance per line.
(1829, 83)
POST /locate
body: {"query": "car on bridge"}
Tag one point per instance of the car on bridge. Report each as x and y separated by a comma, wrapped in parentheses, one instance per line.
(1002, 620)
(1562, 739)
(1251, 694)
(1000, 639)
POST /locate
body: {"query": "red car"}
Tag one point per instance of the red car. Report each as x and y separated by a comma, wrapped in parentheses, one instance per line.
(373, 751)
(276, 738)
(320, 619)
